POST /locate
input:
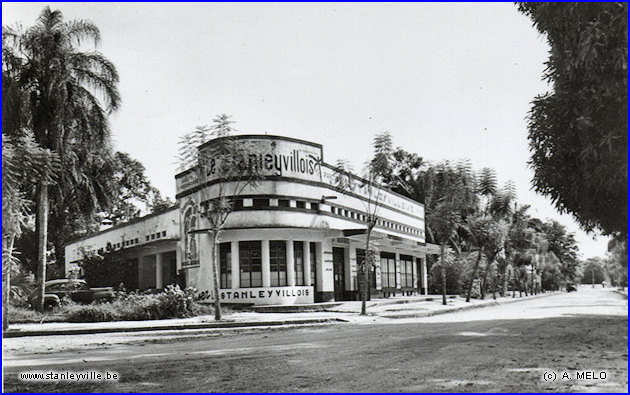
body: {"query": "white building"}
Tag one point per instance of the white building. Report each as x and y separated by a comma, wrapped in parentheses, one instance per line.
(293, 238)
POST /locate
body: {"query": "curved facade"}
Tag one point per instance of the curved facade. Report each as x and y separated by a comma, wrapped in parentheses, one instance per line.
(295, 238)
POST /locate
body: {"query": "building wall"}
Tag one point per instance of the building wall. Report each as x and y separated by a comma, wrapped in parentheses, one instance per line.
(301, 205)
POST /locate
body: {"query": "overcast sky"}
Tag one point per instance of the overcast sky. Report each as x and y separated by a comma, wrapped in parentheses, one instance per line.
(449, 81)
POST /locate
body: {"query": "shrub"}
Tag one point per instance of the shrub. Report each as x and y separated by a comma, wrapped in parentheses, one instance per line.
(91, 313)
(173, 302)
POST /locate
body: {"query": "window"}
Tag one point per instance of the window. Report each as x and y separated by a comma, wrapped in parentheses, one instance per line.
(406, 271)
(371, 270)
(250, 263)
(147, 237)
(153, 236)
(298, 262)
(283, 203)
(163, 233)
(261, 202)
(313, 264)
(135, 241)
(278, 263)
(225, 265)
(238, 204)
(300, 204)
(388, 270)
(332, 209)
(315, 206)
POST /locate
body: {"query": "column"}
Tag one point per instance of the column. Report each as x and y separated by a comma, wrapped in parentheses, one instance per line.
(307, 263)
(424, 276)
(397, 259)
(158, 270)
(235, 266)
(414, 270)
(290, 263)
(266, 274)
(325, 276)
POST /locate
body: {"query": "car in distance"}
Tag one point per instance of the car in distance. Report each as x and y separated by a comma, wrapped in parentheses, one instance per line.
(571, 287)
(76, 290)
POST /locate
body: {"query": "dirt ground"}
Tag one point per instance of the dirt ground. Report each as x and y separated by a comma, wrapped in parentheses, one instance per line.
(507, 348)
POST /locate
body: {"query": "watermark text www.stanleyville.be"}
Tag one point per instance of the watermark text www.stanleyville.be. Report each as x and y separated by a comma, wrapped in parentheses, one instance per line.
(69, 376)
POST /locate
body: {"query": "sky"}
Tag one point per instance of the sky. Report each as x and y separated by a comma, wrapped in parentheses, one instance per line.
(447, 80)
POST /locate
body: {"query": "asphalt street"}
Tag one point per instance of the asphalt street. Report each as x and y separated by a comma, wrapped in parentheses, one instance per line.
(569, 342)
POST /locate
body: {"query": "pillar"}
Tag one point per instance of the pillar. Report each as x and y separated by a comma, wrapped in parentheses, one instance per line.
(325, 275)
(397, 266)
(290, 263)
(235, 266)
(425, 283)
(266, 273)
(159, 258)
(414, 270)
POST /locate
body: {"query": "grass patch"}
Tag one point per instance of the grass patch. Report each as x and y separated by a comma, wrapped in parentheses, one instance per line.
(25, 315)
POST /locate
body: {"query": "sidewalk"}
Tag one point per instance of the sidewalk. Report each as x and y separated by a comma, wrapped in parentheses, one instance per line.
(380, 311)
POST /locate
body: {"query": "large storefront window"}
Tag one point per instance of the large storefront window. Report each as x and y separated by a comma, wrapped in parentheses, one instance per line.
(225, 264)
(298, 260)
(250, 263)
(278, 263)
(406, 271)
(388, 270)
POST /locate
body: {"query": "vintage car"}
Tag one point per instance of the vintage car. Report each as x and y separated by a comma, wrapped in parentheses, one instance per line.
(76, 290)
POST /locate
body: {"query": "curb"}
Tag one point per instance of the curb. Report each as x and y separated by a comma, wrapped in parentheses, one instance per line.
(213, 325)
(466, 307)
(622, 293)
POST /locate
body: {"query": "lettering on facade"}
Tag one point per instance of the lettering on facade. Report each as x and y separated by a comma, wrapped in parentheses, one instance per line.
(256, 294)
(272, 157)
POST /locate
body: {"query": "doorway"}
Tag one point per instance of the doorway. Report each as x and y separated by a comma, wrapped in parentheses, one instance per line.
(338, 273)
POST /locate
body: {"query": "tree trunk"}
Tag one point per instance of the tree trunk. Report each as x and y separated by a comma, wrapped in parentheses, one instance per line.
(484, 279)
(473, 275)
(443, 271)
(215, 275)
(364, 274)
(6, 276)
(42, 222)
(505, 282)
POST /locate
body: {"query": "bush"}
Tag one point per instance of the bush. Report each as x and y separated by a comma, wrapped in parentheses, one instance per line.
(91, 313)
(173, 302)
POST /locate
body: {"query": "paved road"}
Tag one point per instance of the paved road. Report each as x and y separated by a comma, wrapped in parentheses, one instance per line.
(505, 348)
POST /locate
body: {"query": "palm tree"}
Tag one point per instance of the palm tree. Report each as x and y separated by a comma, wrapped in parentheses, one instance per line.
(64, 96)
(448, 195)
(23, 161)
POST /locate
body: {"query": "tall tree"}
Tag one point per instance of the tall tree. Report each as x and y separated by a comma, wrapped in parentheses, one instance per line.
(372, 187)
(448, 193)
(64, 96)
(578, 131)
(23, 162)
(226, 161)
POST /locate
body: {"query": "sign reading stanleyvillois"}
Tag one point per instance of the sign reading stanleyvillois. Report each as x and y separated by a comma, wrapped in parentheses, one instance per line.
(266, 295)
(274, 156)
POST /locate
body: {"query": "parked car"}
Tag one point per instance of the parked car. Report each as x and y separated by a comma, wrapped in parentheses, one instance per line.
(571, 287)
(76, 290)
